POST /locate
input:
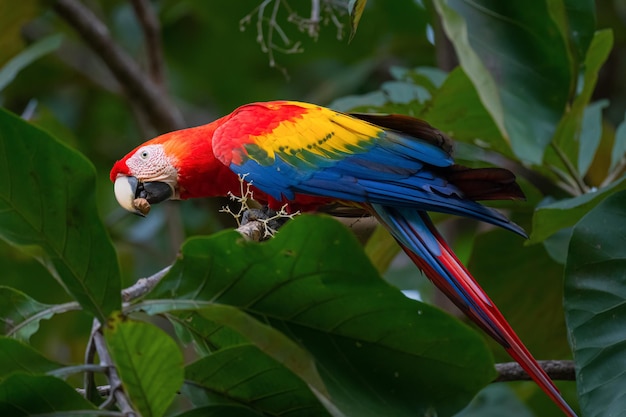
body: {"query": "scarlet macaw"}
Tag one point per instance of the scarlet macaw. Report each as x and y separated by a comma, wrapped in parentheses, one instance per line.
(396, 167)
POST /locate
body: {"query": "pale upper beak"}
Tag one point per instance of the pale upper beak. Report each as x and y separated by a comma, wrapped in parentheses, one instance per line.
(129, 189)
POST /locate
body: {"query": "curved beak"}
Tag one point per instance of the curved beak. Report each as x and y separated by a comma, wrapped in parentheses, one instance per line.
(136, 196)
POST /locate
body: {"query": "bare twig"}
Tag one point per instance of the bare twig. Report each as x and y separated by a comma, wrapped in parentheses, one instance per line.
(152, 34)
(140, 89)
(571, 169)
(613, 175)
(117, 394)
(557, 370)
(315, 18)
(143, 285)
(321, 11)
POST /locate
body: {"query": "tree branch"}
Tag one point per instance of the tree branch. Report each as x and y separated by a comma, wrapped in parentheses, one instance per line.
(556, 370)
(140, 89)
(152, 34)
(143, 285)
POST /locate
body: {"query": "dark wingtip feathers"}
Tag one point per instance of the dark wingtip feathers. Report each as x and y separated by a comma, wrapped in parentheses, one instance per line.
(485, 183)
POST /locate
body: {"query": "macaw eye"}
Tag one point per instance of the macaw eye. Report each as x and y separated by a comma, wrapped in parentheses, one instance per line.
(144, 155)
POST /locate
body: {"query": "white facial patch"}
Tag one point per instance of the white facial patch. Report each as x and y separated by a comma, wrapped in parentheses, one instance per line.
(150, 163)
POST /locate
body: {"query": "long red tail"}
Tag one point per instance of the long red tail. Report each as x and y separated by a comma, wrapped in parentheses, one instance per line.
(428, 250)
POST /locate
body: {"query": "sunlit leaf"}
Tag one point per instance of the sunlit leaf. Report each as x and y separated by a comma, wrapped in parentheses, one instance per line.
(595, 305)
(373, 347)
(48, 208)
(148, 361)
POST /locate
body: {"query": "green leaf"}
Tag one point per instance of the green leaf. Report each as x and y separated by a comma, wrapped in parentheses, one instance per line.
(213, 326)
(249, 377)
(355, 8)
(16, 356)
(518, 58)
(581, 22)
(27, 395)
(13, 17)
(148, 361)
(568, 134)
(48, 208)
(619, 145)
(220, 410)
(595, 306)
(33, 52)
(538, 320)
(456, 109)
(496, 400)
(551, 218)
(374, 348)
(19, 314)
(590, 135)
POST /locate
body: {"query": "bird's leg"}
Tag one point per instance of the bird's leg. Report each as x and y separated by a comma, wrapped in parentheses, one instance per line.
(271, 219)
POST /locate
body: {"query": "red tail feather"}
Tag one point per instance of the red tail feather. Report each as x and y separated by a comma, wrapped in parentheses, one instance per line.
(495, 324)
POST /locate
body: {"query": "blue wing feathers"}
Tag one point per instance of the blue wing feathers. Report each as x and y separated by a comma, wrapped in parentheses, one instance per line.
(391, 169)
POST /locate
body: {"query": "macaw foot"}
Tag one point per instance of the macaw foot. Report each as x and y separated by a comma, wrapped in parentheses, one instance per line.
(273, 220)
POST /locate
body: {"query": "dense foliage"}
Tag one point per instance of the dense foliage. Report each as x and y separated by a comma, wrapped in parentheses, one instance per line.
(303, 324)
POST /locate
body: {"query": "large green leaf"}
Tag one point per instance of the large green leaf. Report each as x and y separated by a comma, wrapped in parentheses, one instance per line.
(595, 306)
(457, 110)
(528, 286)
(48, 208)
(551, 218)
(148, 361)
(24, 395)
(375, 349)
(16, 356)
(568, 137)
(248, 377)
(518, 57)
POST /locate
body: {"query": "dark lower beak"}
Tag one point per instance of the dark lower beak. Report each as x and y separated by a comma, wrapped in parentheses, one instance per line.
(129, 189)
(154, 192)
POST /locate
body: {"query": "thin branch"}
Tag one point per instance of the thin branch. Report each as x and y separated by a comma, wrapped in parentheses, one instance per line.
(556, 370)
(315, 18)
(143, 285)
(570, 169)
(152, 34)
(613, 175)
(117, 394)
(140, 89)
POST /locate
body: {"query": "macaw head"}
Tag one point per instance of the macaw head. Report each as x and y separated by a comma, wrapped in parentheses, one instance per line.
(176, 165)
